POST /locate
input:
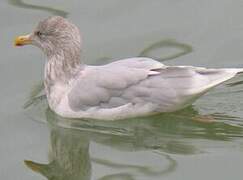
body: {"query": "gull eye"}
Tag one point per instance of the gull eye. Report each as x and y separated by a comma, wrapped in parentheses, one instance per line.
(39, 34)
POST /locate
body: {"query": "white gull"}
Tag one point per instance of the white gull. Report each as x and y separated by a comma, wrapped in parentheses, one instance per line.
(126, 88)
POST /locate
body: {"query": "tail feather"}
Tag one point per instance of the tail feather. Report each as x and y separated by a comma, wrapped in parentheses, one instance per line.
(216, 76)
(240, 71)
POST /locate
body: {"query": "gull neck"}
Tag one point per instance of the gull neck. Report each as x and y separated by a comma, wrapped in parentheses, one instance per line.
(62, 66)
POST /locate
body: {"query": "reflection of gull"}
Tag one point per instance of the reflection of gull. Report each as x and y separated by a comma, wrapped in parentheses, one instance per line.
(122, 89)
(21, 4)
(70, 157)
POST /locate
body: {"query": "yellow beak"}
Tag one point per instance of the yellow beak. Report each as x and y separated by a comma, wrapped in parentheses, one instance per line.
(22, 40)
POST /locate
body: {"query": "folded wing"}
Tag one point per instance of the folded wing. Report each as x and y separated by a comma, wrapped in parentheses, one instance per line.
(143, 82)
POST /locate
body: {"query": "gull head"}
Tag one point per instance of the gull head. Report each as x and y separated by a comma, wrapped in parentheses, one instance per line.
(53, 35)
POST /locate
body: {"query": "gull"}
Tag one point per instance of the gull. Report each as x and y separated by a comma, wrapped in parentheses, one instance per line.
(126, 88)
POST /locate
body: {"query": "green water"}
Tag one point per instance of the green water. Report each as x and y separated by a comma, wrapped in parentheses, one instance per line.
(204, 141)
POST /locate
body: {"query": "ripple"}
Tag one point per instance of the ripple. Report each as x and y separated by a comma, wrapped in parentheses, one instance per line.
(179, 48)
(22, 4)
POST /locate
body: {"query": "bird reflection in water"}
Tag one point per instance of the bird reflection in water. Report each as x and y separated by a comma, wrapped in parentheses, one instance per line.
(71, 142)
(70, 156)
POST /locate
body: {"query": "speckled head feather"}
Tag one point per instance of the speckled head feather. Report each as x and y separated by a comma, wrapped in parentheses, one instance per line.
(56, 34)
(61, 42)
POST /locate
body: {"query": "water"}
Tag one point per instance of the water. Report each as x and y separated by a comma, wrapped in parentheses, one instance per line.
(201, 142)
